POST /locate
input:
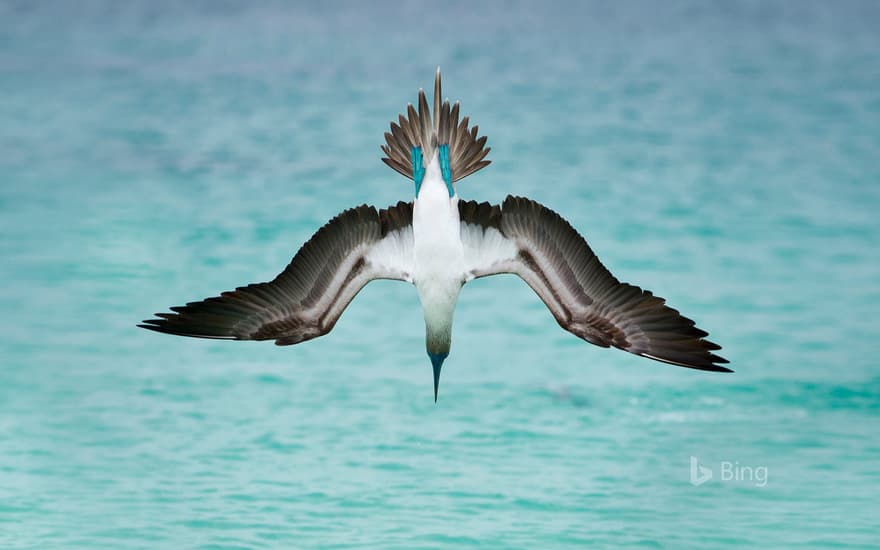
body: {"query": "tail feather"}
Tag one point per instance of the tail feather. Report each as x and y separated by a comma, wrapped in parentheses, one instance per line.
(438, 98)
(427, 130)
(420, 128)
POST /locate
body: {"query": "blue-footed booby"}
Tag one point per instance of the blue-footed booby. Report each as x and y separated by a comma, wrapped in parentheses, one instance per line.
(439, 242)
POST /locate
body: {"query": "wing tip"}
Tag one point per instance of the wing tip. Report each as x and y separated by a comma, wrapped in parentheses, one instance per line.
(713, 368)
(712, 363)
(152, 324)
(163, 326)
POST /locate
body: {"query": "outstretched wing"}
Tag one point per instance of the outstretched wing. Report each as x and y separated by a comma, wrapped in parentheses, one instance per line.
(532, 241)
(307, 298)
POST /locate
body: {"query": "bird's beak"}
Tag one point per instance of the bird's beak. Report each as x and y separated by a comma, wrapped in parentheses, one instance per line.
(437, 362)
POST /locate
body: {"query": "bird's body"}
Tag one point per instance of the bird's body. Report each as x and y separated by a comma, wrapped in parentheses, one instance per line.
(438, 243)
(438, 266)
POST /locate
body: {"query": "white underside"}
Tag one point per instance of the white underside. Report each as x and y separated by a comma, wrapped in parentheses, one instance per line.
(438, 254)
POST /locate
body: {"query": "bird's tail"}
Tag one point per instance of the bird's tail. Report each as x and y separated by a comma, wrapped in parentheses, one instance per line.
(419, 129)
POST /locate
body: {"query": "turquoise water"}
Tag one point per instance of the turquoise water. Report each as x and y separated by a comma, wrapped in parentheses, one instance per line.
(724, 156)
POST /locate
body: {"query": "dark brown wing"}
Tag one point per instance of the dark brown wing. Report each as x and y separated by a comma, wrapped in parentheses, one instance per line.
(532, 241)
(307, 298)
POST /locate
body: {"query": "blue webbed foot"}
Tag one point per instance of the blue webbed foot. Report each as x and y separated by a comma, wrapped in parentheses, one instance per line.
(446, 168)
(418, 168)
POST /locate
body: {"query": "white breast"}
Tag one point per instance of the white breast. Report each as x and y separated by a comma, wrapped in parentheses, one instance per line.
(439, 268)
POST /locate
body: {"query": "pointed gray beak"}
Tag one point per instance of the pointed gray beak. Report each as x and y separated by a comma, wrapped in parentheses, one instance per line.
(437, 362)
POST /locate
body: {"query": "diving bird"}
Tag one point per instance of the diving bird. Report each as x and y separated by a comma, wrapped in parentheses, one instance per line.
(439, 242)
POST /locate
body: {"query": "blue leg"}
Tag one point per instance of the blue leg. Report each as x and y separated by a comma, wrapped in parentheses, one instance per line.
(417, 168)
(446, 169)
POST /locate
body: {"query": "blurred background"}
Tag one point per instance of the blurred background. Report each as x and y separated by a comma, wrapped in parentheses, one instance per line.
(721, 154)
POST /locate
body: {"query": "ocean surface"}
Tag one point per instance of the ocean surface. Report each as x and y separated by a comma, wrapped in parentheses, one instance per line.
(723, 155)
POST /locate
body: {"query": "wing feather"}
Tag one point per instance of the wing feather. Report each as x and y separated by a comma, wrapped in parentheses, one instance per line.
(309, 296)
(527, 239)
